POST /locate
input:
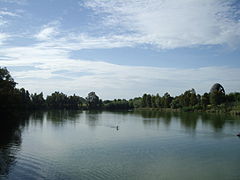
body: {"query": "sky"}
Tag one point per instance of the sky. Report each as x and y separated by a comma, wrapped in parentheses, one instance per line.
(119, 48)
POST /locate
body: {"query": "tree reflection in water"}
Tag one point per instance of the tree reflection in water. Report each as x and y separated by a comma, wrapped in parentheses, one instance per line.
(92, 118)
(11, 125)
(59, 117)
(188, 120)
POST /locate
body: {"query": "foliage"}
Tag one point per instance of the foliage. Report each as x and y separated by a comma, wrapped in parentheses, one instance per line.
(93, 101)
(120, 104)
(13, 98)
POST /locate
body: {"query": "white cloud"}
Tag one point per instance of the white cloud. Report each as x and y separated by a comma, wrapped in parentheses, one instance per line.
(3, 37)
(47, 33)
(55, 70)
(20, 2)
(7, 13)
(173, 23)
(2, 21)
(165, 24)
(78, 41)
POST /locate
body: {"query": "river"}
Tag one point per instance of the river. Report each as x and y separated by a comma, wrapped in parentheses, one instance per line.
(119, 145)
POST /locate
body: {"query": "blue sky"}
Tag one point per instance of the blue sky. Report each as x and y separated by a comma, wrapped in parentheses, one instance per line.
(121, 49)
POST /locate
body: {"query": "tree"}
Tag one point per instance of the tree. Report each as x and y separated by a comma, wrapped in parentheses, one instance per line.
(6, 81)
(74, 102)
(57, 100)
(144, 100)
(25, 98)
(38, 101)
(175, 103)
(136, 103)
(205, 100)
(217, 94)
(149, 101)
(217, 98)
(153, 100)
(193, 98)
(167, 99)
(93, 101)
(158, 101)
(9, 96)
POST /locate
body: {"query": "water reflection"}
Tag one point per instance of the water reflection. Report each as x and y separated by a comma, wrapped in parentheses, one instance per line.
(58, 117)
(91, 148)
(10, 138)
(188, 121)
(92, 118)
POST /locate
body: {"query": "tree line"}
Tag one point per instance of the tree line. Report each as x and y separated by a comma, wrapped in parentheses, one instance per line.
(14, 98)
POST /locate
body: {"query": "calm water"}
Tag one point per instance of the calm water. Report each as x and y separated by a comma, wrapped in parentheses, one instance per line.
(146, 145)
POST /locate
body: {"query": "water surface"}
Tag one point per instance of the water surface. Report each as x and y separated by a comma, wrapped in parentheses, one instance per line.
(119, 145)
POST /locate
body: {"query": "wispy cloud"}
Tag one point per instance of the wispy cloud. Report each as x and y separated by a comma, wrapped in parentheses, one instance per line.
(173, 23)
(3, 37)
(163, 24)
(7, 13)
(55, 70)
(20, 2)
(48, 31)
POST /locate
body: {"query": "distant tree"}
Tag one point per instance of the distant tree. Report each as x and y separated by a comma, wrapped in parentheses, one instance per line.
(57, 100)
(175, 103)
(93, 101)
(217, 98)
(6, 81)
(135, 103)
(205, 100)
(193, 98)
(167, 99)
(25, 99)
(74, 102)
(149, 101)
(38, 101)
(158, 101)
(217, 94)
(144, 100)
(153, 101)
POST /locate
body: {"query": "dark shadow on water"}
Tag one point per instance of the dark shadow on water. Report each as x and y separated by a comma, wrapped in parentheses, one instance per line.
(11, 125)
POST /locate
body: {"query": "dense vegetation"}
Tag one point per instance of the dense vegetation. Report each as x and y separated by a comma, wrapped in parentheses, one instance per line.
(13, 98)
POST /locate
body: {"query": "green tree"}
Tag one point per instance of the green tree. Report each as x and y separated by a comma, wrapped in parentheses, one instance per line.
(144, 100)
(6, 81)
(38, 101)
(153, 101)
(167, 99)
(93, 101)
(149, 101)
(158, 101)
(217, 98)
(9, 96)
(193, 98)
(136, 102)
(74, 102)
(205, 100)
